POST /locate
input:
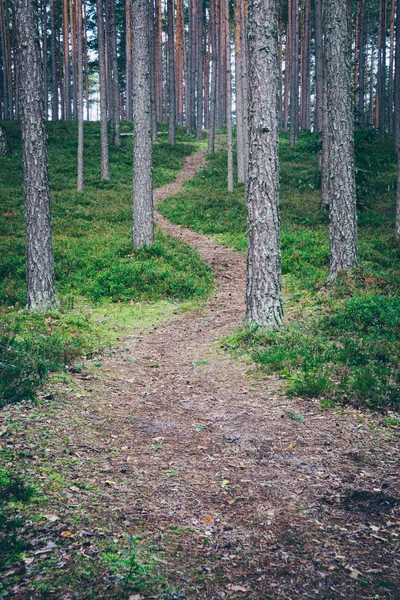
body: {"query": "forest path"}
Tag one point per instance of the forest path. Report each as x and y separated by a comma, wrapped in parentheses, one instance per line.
(244, 500)
(235, 490)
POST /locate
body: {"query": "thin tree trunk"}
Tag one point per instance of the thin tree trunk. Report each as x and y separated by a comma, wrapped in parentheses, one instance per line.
(159, 61)
(206, 68)
(171, 73)
(214, 67)
(287, 70)
(105, 163)
(128, 59)
(361, 65)
(200, 73)
(153, 85)
(40, 279)
(355, 59)
(143, 217)
(294, 73)
(79, 56)
(54, 82)
(391, 74)
(244, 70)
(264, 306)
(44, 59)
(342, 189)
(86, 62)
(5, 149)
(372, 122)
(73, 55)
(305, 72)
(5, 63)
(381, 97)
(239, 96)
(227, 32)
(397, 80)
(319, 61)
(67, 84)
(115, 77)
(179, 57)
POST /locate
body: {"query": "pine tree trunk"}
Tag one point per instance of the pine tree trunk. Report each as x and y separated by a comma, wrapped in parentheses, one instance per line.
(391, 74)
(44, 59)
(128, 59)
(67, 84)
(105, 163)
(371, 86)
(227, 33)
(40, 279)
(244, 70)
(153, 85)
(143, 219)
(206, 69)
(214, 70)
(398, 200)
(319, 62)
(264, 305)
(115, 77)
(361, 65)
(5, 149)
(79, 57)
(200, 74)
(381, 98)
(171, 73)
(86, 63)
(238, 94)
(294, 73)
(179, 57)
(397, 79)
(5, 79)
(305, 72)
(72, 6)
(287, 71)
(342, 190)
(54, 82)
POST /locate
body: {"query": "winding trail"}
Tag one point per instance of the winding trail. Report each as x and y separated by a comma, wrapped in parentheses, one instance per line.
(234, 497)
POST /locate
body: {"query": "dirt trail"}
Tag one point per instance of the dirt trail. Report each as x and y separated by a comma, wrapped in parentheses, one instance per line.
(240, 499)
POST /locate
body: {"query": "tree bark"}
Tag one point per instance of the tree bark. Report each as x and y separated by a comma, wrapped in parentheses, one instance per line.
(79, 56)
(7, 111)
(264, 306)
(54, 82)
(305, 71)
(115, 77)
(67, 83)
(143, 218)
(342, 190)
(397, 79)
(44, 59)
(381, 97)
(361, 65)
(238, 95)
(319, 62)
(391, 74)
(128, 59)
(227, 33)
(294, 73)
(40, 279)
(105, 162)
(171, 73)
(213, 98)
(200, 73)
(5, 149)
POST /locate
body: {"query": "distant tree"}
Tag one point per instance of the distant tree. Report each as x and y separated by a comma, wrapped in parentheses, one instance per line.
(342, 189)
(171, 73)
(105, 161)
(79, 47)
(143, 219)
(4, 145)
(264, 290)
(40, 280)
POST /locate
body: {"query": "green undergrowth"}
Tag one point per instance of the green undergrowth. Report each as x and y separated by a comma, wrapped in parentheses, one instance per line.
(97, 269)
(339, 343)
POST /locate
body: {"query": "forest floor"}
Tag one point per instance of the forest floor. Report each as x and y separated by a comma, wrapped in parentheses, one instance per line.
(171, 470)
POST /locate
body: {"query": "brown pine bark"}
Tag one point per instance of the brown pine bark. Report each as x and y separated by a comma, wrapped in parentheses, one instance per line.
(342, 189)
(105, 163)
(287, 70)
(214, 70)
(79, 64)
(355, 58)
(7, 111)
(319, 68)
(40, 279)
(44, 58)
(207, 58)
(361, 65)
(381, 87)
(143, 217)
(391, 71)
(53, 59)
(66, 76)
(372, 120)
(72, 16)
(200, 74)
(227, 34)
(264, 306)
(171, 73)
(294, 72)
(238, 94)
(128, 59)
(179, 58)
(305, 71)
(397, 80)
(86, 62)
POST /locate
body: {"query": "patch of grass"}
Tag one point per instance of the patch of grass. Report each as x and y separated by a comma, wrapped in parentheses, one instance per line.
(342, 343)
(100, 277)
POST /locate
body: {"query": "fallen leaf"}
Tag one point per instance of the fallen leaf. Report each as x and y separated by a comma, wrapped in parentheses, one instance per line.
(290, 447)
(67, 534)
(230, 501)
(209, 518)
(51, 518)
(237, 588)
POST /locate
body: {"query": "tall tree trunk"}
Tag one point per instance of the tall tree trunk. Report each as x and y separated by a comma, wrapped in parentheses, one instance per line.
(143, 218)
(115, 77)
(200, 74)
(227, 32)
(381, 98)
(397, 79)
(238, 95)
(40, 279)
(86, 62)
(244, 70)
(159, 61)
(5, 63)
(72, 6)
(305, 71)
(361, 65)
(206, 69)
(105, 162)
(264, 305)
(171, 73)
(79, 56)
(153, 85)
(179, 57)
(319, 68)
(128, 59)
(342, 189)
(54, 82)
(214, 67)
(287, 70)
(372, 122)
(391, 74)
(44, 59)
(67, 83)
(294, 72)
(355, 59)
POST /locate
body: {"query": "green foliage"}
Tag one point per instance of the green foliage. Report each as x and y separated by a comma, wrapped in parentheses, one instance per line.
(96, 264)
(345, 346)
(12, 490)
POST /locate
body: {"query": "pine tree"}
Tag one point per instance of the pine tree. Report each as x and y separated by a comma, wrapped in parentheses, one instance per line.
(40, 279)
(264, 291)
